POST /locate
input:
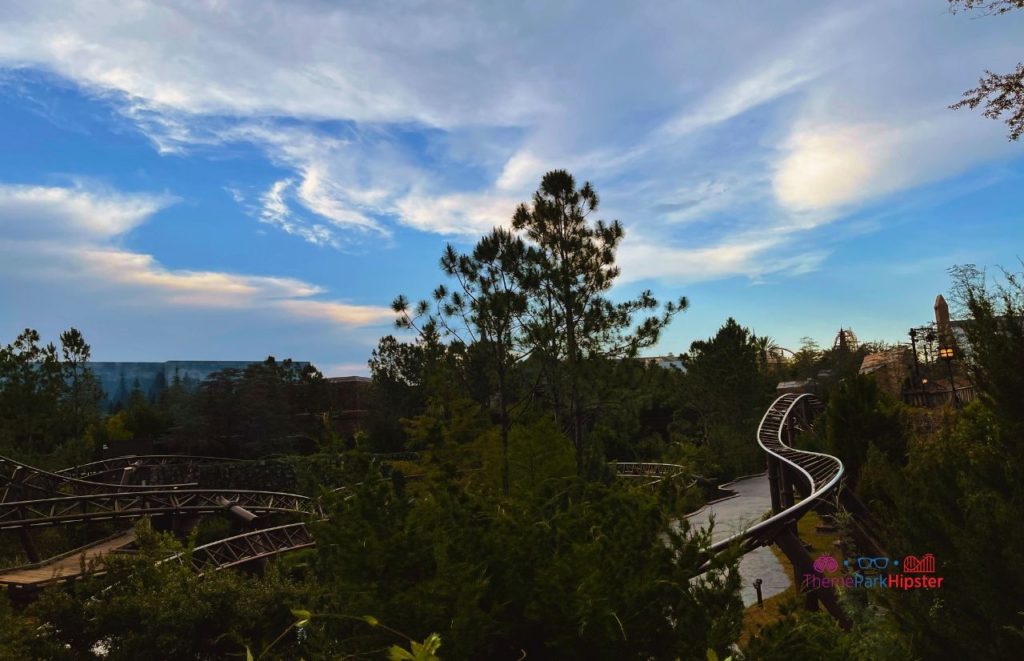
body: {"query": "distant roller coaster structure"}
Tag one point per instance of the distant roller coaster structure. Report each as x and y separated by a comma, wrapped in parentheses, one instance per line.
(799, 481)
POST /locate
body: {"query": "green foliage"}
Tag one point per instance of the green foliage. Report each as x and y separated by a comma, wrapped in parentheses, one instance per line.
(728, 389)
(829, 368)
(995, 335)
(15, 634)
(960, 496)
(1002, 94)
(486, 312)
(874, 636)
(860, 416)
(399, 375)
(798, 635)
(142, 419)
(571, 569)
(45, 403)
(161, 611)
(634, 407)
(520, 314)
(572, 320)
(806, 362)
(538, 453)
(425, 651)
(244, 413)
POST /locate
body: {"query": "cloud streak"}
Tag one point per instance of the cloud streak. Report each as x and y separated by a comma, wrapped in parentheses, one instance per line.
(716, 154)
(73, 234)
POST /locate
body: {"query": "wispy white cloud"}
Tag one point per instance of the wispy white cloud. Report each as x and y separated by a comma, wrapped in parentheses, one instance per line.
(835, 165)
(74, 213)
(275, 210)
(774, 76)
(73, 234)
(466, 214)
(301, 59)
(694, 137)
(752, 257)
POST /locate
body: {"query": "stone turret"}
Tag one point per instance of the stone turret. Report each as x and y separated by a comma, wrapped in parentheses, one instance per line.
(942, 322)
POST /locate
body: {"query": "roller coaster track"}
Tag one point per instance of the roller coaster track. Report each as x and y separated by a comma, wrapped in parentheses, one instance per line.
(136, 504)
(816, 477)
(116, 469)
(21, 482)
(245, 548)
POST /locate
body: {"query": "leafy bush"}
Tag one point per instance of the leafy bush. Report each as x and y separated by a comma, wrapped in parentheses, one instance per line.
(570, 569)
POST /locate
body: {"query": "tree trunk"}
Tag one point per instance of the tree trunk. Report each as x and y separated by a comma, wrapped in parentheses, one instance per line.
(505, 424)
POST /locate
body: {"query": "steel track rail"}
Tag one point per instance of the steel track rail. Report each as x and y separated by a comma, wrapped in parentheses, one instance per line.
(102, 470)
(821, 475)
(137, 504)
(18, 480)
(247, 547)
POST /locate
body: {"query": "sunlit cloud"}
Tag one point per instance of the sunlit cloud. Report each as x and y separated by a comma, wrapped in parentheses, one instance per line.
(840, 165)
(466, 214)
(275, 210)
(42, 211)
(690, 134)
(72, 234)
(755, 258)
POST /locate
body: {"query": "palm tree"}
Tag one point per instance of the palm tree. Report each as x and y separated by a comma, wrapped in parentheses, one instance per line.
(766, 347)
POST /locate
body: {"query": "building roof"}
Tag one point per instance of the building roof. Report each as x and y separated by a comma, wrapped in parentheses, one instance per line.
(348, 379)
(876, 361)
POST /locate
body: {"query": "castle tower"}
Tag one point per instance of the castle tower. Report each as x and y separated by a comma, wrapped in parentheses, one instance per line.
(942, 322)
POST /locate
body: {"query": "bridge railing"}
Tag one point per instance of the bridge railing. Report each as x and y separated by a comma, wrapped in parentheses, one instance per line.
(936, 398)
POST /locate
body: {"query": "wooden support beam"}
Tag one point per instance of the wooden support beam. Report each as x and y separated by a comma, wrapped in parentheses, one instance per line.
(803, 564)
(774, 488)
(29, 547)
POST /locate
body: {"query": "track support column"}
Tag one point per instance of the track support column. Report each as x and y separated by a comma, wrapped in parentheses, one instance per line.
(804, 565)
(774, 488)
(28, 545)
(14, 492)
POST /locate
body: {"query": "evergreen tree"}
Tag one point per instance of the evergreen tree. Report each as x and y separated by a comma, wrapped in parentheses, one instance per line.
(728, 388)
(486, 310)
(571, 318)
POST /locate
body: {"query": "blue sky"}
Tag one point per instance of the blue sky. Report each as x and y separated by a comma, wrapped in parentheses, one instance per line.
(229, 180)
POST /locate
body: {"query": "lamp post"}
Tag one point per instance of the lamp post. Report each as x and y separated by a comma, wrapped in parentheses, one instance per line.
(913, 351)
(948, 354)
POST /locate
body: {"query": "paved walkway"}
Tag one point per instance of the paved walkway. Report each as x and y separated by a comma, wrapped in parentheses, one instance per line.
(735, 515)
(66, 567)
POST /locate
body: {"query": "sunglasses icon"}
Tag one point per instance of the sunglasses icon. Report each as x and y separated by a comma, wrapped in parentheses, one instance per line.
(872, 563)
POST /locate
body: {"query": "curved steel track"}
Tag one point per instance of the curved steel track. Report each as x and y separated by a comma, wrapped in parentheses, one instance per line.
(247, 547)
(23, 482)
(136, 504)
(117, 469)
(817, 477)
